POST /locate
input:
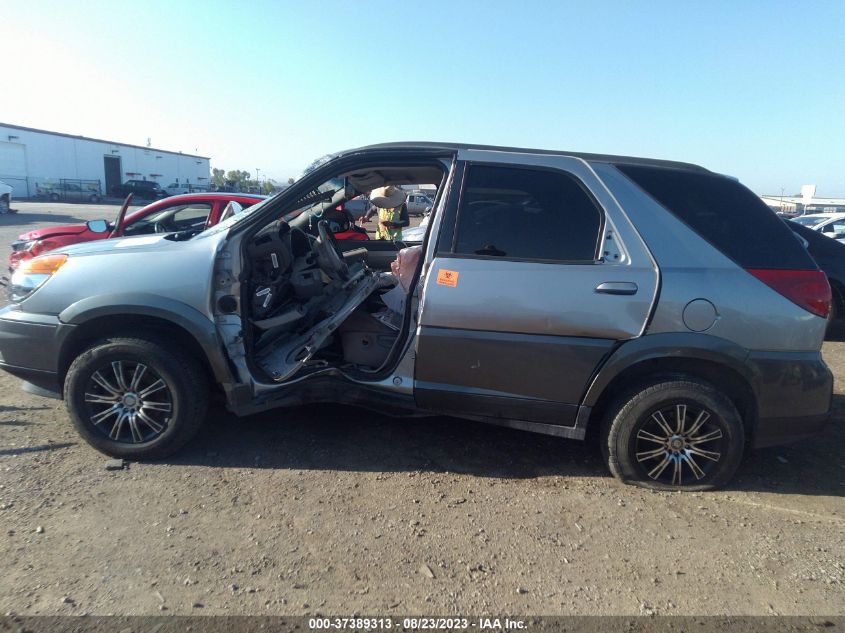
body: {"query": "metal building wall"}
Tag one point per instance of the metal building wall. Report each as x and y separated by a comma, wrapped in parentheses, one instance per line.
(32, 157)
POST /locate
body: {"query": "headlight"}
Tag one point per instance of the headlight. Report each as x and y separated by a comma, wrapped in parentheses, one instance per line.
(32, 274)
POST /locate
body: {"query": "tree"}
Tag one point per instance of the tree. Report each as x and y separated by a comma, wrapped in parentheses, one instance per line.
(291, 181)
(241, 180)
(218, 177)
(238, 178)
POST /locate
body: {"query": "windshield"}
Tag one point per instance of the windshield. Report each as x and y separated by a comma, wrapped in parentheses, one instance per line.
(233, 220)
(146, 224)
(317, 200)
(314, 165)
(808, 220)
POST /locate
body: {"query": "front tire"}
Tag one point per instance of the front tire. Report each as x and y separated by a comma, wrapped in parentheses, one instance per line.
(674, 435)
(136, 398)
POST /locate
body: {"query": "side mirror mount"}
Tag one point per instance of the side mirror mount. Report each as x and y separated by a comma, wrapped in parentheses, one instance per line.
(98, 226)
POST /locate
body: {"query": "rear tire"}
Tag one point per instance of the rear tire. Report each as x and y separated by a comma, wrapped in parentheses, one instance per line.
(835, 322)
(137, 398)
(4, 205)
(94, 198)
(674, 434)
(54, 197)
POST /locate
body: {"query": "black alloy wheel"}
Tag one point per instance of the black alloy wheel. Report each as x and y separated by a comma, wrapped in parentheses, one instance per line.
(674, 433)
(678, 444)
(128, 402)
(138, 398)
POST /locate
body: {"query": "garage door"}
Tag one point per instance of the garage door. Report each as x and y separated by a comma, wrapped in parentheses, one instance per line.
(13, 167)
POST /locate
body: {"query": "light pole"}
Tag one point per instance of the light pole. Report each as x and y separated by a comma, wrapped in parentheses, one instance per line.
(257, 179)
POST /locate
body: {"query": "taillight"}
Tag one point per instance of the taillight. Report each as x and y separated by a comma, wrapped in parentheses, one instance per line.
(806, 288)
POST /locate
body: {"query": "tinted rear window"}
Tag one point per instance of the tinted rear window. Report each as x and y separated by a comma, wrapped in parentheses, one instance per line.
(726, 214)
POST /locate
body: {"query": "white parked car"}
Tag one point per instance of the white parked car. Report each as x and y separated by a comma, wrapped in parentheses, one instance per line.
(5, 197)
(416, 233)
(419, 203)
(175, 188)
(830, 224)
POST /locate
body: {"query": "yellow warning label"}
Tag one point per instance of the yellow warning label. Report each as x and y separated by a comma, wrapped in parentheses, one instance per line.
(447, 278)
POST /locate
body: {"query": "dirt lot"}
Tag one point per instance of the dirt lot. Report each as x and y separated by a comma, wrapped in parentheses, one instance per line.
(338, 511)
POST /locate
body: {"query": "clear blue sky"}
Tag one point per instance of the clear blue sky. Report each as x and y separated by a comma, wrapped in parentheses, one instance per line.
(753, 89)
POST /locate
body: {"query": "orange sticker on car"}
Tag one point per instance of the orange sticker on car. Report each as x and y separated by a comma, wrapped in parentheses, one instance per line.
(447, 278)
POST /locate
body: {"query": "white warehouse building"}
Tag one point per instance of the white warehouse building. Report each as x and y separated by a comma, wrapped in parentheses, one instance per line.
(31, 158)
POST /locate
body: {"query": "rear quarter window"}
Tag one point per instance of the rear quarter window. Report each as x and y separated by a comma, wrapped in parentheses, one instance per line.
(726, 214)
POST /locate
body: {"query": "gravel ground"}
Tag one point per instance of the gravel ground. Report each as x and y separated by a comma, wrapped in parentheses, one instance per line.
(334, 510)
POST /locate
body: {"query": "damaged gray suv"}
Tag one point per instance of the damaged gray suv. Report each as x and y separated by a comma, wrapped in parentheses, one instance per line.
(662, 307)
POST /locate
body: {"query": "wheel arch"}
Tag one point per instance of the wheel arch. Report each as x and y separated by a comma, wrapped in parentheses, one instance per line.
(838, 289)
(100, 317)
(713, 360)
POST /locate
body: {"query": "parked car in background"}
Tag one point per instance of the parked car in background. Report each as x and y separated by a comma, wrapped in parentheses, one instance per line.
(175, 188)
(67, 190)
(176, 213)
(659, 306)
(142, 189)
(417, 233)
(418, 203)
(830, 256)
(830, 224)
(5, 197)
(358, 207)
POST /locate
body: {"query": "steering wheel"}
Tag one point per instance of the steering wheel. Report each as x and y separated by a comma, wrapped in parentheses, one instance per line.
(329, 255)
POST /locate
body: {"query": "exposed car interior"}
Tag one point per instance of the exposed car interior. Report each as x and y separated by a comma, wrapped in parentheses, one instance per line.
(311, 305)
(189, 218)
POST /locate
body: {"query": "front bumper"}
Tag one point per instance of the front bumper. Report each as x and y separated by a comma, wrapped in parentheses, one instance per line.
(794, 394)
(29, 347)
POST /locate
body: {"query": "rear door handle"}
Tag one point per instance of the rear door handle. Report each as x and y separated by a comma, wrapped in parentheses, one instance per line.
(617, 288)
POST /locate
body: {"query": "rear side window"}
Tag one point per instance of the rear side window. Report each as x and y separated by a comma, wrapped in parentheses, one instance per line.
(835, 229)
(726, 214)
(517, 213)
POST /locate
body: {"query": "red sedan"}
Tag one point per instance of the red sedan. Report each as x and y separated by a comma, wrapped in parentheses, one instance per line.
(190, 211)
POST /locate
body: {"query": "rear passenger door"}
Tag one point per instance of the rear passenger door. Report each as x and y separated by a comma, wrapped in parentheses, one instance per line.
(534, 277)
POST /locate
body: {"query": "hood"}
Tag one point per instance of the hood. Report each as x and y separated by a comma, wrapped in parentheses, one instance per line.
(53, 231)
(122, 244)
(152, 244)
